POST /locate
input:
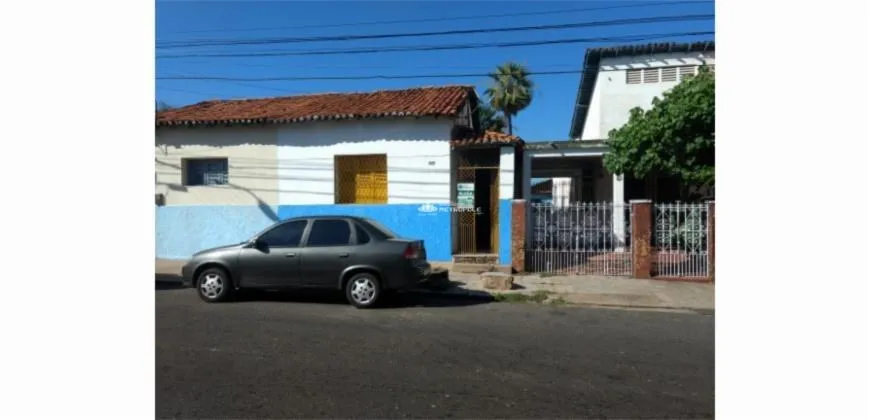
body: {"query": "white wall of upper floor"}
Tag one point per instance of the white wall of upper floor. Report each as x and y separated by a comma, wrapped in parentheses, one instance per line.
(294, 164)
(417, 150)
(613, 97)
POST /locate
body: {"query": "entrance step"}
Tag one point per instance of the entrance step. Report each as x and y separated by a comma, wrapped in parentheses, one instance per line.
(470, 268)
(475, 259)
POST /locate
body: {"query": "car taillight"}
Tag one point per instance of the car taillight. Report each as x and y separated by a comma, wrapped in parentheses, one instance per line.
(411, 252)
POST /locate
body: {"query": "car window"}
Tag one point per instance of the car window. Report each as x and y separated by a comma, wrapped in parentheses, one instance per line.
(362, 237)
(285, 235)
(329, 233)
(385, 231)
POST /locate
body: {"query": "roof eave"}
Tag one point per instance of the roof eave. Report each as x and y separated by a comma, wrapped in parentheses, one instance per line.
(581, 104)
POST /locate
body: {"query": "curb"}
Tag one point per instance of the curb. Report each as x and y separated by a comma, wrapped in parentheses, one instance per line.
(481, 295)
(464, 293)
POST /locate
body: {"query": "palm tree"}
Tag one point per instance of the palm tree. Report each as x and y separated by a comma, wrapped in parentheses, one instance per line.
(490, 120)
(511, 91)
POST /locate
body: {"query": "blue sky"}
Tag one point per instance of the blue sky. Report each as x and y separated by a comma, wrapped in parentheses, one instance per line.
(548, 117)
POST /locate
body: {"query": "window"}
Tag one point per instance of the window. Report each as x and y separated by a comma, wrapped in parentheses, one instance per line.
(361, 179)
(633, 76)
(362, 237)
(669, 74)
(384, 231)
(651, 75)
(206, 171)
(285, 235)
(329, 233)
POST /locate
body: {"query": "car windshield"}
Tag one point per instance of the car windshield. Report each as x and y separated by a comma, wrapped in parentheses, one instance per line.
(389, 234)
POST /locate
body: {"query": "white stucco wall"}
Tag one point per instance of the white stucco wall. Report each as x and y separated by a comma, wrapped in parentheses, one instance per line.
(251, 154)
(592, 129)
(506, 173)
(613, 98)
(561, 192)
(418, 158)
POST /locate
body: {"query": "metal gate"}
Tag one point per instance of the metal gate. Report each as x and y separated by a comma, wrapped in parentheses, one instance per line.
(478, 232)
(680, 240)
(580, 238)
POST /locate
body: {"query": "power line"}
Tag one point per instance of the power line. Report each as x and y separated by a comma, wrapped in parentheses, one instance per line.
(184, 91)
(408, 48)
(455, 18)
(267, 88)
(274, 65)
(613, 22)
(369, 77)
(364, 77)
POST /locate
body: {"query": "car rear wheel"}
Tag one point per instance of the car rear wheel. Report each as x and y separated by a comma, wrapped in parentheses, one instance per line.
(363, 290)
(213, 285)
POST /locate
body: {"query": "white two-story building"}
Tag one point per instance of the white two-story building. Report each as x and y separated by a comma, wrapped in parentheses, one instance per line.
(614, 81)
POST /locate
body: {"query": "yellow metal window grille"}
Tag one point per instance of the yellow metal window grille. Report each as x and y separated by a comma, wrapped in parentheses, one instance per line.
(361, 179)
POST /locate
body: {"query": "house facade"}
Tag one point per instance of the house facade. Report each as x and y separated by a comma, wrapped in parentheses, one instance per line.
(588, 226)
(225, 170)
(615, 80)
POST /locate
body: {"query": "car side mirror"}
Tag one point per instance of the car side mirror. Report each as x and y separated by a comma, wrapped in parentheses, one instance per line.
(255, 243)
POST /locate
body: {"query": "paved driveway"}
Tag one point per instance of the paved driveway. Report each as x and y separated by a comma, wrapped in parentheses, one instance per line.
(311, 355)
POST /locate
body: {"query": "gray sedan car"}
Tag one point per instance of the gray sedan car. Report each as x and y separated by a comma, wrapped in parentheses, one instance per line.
(356, 255)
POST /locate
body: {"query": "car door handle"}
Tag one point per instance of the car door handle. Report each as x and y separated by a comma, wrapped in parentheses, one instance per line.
(343, 255)
(290, 255)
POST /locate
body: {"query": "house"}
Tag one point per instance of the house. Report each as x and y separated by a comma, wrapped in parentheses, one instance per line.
(590, 217)
(614, 80)
(228, 169)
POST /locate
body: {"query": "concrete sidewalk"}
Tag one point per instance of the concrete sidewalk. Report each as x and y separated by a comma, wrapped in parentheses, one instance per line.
(578, 290)
(597, 291)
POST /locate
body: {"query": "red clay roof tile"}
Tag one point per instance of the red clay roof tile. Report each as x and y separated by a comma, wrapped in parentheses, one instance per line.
(418, 102)
(488, 137)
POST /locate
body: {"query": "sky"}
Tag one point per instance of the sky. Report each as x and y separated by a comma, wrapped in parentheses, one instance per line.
(547, 118)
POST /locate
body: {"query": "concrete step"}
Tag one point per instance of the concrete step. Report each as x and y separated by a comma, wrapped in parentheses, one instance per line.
(480, 268)
(475, 259)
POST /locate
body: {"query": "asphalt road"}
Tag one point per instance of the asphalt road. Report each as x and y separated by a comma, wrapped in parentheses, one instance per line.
(308, 355)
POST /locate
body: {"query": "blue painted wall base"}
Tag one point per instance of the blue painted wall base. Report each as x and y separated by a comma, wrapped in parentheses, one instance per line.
(183, 230)
(180, 231)
(505, 208)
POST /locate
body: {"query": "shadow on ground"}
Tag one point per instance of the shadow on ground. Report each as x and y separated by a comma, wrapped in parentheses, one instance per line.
(165, 282)
(168, 282)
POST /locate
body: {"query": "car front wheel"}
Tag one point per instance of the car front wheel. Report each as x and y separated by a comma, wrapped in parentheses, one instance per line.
(363, 290)
(213, 285)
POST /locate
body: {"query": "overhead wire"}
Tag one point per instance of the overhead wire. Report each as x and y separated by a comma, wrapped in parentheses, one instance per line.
(361, 77)
(289, 40)
(449, 19)
(410, 48)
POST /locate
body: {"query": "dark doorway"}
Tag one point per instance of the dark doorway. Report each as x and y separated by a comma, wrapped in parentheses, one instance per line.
(477, 227)
(483, 190)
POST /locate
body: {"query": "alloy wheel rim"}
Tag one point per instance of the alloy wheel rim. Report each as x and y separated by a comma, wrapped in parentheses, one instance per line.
(363, 290)
(212, 286)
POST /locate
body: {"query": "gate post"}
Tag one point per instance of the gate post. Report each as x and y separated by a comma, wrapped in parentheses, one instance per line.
(641, 238)
(711, 240)
(518, 235)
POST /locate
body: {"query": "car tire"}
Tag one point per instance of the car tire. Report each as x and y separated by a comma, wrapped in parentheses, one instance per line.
(213, 285)
(363, 290)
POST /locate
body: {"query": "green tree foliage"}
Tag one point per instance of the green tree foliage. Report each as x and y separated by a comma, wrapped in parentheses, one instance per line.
(490, 119)
(510, 91)
(674, 138)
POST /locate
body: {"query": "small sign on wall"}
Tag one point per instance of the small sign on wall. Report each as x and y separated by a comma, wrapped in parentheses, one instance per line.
(465, 195)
